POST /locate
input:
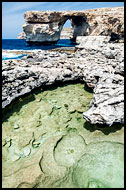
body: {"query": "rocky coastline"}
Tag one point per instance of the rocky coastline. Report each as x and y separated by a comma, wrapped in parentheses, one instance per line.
(96, 62)
(63, 109)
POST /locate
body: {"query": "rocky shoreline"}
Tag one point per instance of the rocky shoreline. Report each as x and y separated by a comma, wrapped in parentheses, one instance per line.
(96, 62)
(63, 108)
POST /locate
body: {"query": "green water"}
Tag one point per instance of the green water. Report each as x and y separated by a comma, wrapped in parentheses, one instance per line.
(57, 112)
(45, 113)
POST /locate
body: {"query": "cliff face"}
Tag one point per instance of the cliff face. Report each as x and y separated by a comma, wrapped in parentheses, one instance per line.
(21, 36)
(106, 21)
(46, 26)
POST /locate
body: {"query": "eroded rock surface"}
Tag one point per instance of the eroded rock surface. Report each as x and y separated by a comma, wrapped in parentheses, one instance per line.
(46, 143)
(106, 21)
(101, 157)
(96, 62)
(33, 128)
(46, 26)
(107, 79)
(22, 36)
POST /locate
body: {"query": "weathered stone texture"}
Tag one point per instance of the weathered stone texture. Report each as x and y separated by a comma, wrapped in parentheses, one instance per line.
(104, 21)
(107, 79)
(46, 26)
(22, 35)
(96, 62)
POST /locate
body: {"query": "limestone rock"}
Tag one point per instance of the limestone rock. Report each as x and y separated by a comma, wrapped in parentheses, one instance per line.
(91, 42)
(108, 93)
(107, 106)
(68, 150)
(46, 26)
(50, 16)
(42, 32)
(106, 21)
(97, 62)
(22, 36)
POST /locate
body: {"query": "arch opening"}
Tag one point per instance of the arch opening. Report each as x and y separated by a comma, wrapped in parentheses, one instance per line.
(67, 30)
(75, 26)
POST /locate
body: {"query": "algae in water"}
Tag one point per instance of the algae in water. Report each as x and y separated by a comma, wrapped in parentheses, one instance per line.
(48, 126)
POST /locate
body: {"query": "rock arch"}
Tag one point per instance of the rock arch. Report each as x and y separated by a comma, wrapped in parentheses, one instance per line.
(46, 26)
(80, 25)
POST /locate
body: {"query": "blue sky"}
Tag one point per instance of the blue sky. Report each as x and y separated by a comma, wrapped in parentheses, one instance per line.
(13, 12)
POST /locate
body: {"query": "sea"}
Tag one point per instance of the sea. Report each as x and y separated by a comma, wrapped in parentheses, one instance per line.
(15, 48)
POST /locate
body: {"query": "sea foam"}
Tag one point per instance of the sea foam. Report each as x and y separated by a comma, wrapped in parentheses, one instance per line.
(8, 55)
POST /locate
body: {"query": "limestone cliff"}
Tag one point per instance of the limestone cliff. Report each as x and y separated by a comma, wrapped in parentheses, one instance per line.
(21, 36)
(66, 33)
(46, 26)
(106, 21)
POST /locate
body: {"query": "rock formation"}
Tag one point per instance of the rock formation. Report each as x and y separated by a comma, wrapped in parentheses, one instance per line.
(106, 21)
(96, 62)
(66, 33)
(48, 140)
(46, 26)
(106, 79)
(22, 36)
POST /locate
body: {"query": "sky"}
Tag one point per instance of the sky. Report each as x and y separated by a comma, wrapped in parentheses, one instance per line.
(13, 13)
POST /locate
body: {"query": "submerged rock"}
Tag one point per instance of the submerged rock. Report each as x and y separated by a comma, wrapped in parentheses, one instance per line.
(15, 158)
(50, 149)
(27, 151)
(107, 106)
(69, 150)
(101, 166)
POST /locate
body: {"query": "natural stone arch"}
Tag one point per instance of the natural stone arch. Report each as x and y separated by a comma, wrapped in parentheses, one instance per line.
(46, 27)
